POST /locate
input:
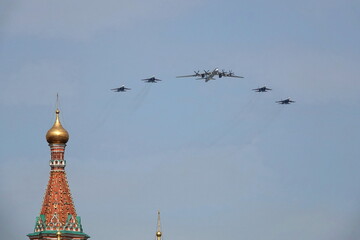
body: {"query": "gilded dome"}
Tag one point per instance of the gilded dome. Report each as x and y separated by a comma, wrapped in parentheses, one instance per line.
(158, 234)
(57, 134)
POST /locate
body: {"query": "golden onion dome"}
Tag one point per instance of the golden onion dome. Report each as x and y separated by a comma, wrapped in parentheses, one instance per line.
(158, 234)
(57, 134)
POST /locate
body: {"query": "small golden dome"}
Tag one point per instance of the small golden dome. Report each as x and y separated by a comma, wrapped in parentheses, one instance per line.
(57, 134)
(158, 234)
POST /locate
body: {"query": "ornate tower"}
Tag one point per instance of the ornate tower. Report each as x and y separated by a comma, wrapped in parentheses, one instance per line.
(58, 218)
(158, 228)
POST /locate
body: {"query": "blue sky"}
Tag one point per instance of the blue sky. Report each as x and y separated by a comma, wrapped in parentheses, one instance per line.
(217, 159)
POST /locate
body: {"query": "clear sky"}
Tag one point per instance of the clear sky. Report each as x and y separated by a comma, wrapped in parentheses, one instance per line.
(218, 160)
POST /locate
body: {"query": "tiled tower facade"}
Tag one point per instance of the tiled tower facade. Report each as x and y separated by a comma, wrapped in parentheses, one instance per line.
(58, 218)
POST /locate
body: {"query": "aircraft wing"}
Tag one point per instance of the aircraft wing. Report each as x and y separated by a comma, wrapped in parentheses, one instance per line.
(234, 76)
(188, 76)
(157, 79)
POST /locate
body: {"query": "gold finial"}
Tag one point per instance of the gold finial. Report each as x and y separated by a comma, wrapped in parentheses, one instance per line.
(58, 235)
(158, 229)
(57, 134)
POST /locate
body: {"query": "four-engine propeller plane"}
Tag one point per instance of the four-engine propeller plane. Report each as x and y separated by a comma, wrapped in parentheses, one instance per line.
(209, 75)
(121, 89)
(262, 89)
(151, 80)
(285, 101)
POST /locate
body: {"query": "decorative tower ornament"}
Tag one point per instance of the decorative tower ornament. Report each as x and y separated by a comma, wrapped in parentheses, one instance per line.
(158, 228)
(58, 218)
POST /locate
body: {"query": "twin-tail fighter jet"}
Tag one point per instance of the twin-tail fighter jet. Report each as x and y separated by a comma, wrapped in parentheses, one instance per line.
(121, 89)
(285, 101)
(262, 89)
(151, 80)
(209, 75)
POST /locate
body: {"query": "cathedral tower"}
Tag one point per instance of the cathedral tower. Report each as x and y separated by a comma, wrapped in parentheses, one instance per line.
(58, 218)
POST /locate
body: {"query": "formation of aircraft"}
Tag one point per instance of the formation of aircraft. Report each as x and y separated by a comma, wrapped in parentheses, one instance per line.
(262, 89)
(285, 101)
(209, 75)
(151, 80)
(265, 89)
(121, 89)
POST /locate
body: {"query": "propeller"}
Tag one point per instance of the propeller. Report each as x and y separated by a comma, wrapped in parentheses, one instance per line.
(197, 73)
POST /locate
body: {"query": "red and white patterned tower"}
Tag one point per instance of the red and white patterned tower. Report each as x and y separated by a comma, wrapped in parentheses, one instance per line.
(58, 218)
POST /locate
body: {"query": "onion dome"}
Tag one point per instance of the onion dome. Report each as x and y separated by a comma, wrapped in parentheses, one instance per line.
(57, 134)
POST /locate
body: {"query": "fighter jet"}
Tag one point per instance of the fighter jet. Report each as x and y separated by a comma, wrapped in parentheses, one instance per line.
(121, 89)
(151, 80)
(262, 89)
(209, 75)
(285, 101)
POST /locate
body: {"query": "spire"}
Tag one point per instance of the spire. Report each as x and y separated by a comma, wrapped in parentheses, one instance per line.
(57, 101)
(158, 228)
(58, 218)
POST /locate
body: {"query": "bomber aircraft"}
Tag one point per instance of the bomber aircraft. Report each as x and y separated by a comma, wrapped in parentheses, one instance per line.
(285, 101)
(262, 89)
(121, 89)
(151, 80)
(209, 75)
